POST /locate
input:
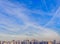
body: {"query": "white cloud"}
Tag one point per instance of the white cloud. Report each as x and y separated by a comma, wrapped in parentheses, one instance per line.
(56, 15)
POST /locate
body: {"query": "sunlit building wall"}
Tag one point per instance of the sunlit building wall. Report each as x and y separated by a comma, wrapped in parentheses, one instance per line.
(50, 42)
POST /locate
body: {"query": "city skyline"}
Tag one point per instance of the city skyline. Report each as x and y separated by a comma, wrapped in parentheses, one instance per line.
(30, 19)
(26, 41)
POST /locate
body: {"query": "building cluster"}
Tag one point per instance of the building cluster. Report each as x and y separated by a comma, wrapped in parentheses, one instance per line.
(28, 42)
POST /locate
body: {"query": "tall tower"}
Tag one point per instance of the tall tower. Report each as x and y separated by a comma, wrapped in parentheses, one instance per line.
(54, 42)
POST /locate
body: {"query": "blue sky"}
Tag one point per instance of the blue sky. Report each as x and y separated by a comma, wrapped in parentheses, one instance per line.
(30, 18)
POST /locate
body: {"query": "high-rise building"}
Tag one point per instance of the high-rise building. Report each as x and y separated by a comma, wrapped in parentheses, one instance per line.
(50, 42)
(18, 42)
(25, 42)
(4, 42)
(43, 42)
(30, 42)
(8, 42)
(0, 42)
(34, 41)
(54, 42)
(13, 42)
